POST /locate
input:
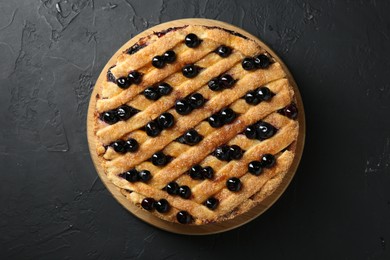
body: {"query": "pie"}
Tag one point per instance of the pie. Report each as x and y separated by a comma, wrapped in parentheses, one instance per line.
(196, 124)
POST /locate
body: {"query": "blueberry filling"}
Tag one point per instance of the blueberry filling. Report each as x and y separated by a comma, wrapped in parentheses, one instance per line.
(110, 76)
(131, 145)
(136, 47)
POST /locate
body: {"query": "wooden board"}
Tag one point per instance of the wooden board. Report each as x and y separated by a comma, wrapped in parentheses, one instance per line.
(192, 229)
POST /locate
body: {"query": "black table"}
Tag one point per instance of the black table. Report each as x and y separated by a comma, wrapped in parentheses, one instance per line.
(53, 206)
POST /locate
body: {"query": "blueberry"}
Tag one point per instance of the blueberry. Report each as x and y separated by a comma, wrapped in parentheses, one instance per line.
(190, 71)
(160, 159)
(152, 129)
(235, 152)
(255, 168)
(215, 85)
(291, 111)
(183, 217)
(196, 100)
(151, 93)
(192, 41)
(135, 77)
(166, 120)
(158, 61)
(251, 98)
(211, 203)
(119, 146)
(131, 145)
(215, 120)
(185, 192)
(132, 175)
(164, 89)
(233, 184)
(263, 93)
(144, 175)
(196, 172)
(250, 132)
(262, 61)
(183, 107)
(222, 153)
(223, 51)
(208, 172)
(124, 112)
(191, 137)
(162, 206)
(248, 64)
(267, 160)
(172, 188)
(227, 115)
(226, 81)
(123, 82)
(169, 56)
(264, 130)
(110, 117)
(148, 203)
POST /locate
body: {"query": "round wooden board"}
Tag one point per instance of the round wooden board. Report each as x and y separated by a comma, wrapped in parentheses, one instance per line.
(193, 229)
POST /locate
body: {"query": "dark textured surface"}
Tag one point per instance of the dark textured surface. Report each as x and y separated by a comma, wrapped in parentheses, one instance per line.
(53, 206)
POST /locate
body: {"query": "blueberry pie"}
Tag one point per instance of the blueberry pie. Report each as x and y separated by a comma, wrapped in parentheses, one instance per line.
(196, 124)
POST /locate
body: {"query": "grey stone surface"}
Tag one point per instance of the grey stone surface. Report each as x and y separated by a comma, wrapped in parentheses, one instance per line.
(53, 206)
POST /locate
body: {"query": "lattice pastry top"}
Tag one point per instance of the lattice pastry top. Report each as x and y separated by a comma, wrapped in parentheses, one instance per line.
(196, 124)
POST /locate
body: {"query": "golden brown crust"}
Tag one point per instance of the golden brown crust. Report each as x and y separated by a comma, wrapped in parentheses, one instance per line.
(254, 188)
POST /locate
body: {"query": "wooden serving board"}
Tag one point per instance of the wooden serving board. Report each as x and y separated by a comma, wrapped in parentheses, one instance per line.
(193, 229)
